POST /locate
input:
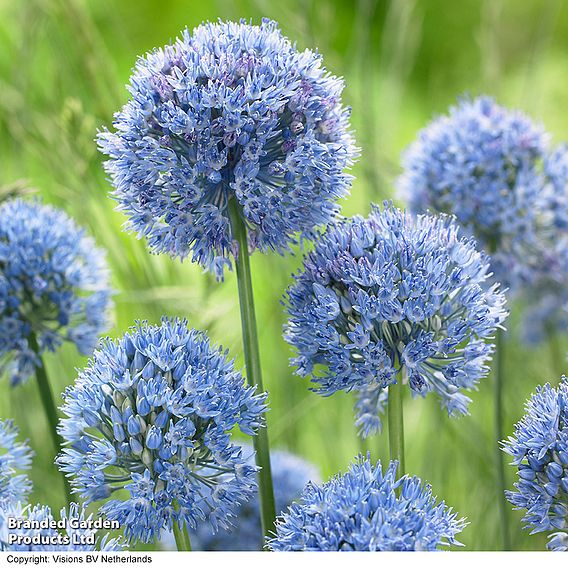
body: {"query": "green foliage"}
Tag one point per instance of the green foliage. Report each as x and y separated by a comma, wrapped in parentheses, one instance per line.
(62, 67)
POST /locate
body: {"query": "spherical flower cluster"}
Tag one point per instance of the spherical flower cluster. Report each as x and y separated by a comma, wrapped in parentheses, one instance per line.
(54, 285)
(388, 294)
(152, 413)
(290, 474)
(540, 451)
(482, 163)
(231, 111)
(38, 531)
(366, 510)
(14, 457)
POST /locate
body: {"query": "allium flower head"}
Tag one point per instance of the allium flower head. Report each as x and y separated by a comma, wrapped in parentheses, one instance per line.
(230, 111)
(540, 451)
(290, 474)
(54, 283)
(39, 533)
(389, 292)
(14, 458)
(152, 413)
(366, 510)
(482, 163)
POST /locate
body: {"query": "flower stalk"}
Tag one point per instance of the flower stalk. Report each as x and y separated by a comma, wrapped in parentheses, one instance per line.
(499, 377)
(252, 363)
(49, 407)
(396, 421)
(183, 542)
(557, 356)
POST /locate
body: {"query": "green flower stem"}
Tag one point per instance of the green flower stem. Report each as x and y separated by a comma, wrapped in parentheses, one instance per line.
(183, 542)
(499, 378)
(396, 422)
(363, 444)
(557, 355)
(49, 407)
(252, 362)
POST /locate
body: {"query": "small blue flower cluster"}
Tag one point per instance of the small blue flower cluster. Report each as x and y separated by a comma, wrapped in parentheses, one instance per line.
(548, 289)
(371, 404)
(14, 457)
(546, 310)
(556, 193)
(389, 293)
(231, 111)
(54, 284)
(558, 542)
(290, 474)
(367, 510)
(152, 413)
(540, 451)
(44, 537)
(483, 163)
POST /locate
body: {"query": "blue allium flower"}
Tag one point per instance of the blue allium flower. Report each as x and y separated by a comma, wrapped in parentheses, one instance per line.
(38, 531)
(230, 111)
(540, 451)
(54, 283)
(14, 458)
(483, 163)
(290, 474)
(367, 510)
(388, 293)
(152, 414)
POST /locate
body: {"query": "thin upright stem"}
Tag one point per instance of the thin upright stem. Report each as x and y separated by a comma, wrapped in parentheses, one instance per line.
(363, 444)
(557, 355)
(183, 542)
(49, 407)
(498, 383)
(252, 363)
(396, 422)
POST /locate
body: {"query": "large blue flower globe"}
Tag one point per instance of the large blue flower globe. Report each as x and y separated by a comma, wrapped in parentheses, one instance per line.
(367, 509)
(394, 298)
(229, 112)
(483, 163)
(148, 422)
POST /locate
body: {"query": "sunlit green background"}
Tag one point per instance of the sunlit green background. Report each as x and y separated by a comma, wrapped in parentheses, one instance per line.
(63, 66)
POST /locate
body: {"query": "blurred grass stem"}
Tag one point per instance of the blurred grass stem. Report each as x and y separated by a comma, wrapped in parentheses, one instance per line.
(557, 355)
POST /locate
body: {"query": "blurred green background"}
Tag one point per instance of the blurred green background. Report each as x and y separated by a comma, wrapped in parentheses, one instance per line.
(63, 66)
